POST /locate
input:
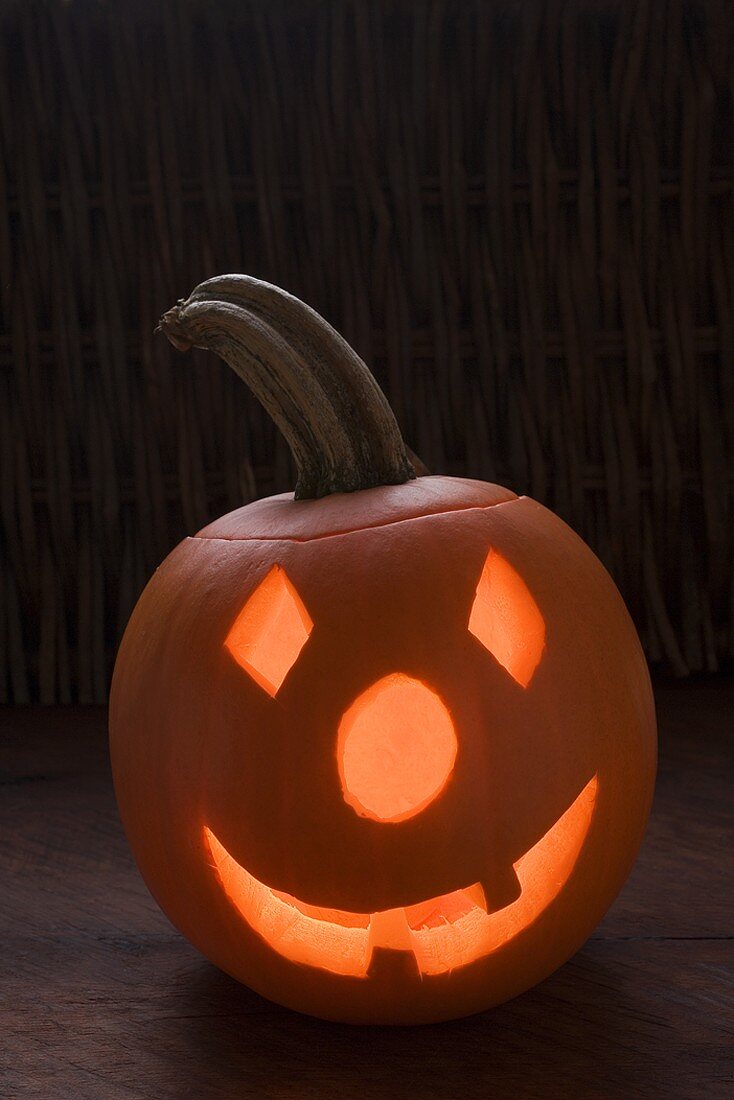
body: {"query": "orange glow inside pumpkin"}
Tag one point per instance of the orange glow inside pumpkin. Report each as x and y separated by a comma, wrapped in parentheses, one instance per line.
(506, 619)
(443, 933)
(270, 631)
(396, 749)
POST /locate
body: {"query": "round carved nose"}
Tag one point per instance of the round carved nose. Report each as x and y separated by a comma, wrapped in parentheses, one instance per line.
(396, 749)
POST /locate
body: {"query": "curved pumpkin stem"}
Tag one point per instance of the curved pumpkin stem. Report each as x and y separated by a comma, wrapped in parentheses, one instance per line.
(337, 422)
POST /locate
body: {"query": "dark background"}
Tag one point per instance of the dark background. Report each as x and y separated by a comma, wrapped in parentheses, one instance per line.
(520, 215)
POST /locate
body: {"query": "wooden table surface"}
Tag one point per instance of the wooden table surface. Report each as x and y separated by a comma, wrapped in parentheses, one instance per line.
(101, 998)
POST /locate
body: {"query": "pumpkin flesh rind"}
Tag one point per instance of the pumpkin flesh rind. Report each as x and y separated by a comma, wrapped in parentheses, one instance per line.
(282, 517)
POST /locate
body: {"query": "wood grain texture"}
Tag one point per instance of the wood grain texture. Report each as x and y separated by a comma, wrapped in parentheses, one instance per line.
(102, 999)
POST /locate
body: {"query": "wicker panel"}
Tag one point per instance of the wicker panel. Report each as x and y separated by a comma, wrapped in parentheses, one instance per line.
(520, 214)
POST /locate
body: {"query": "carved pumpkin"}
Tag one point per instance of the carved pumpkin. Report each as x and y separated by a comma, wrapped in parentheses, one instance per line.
(384, 749)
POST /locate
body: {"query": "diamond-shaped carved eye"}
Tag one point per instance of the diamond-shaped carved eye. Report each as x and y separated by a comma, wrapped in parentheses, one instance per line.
(506, 619)
(270, 631)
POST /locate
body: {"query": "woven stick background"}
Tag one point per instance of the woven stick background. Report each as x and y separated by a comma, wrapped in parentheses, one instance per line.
(521, 215)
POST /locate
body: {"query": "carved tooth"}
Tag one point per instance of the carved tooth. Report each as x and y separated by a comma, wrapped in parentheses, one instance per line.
(393, 968)
(501, 889)
(390, 929)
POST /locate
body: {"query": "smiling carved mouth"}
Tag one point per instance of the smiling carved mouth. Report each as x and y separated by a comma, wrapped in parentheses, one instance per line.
(443, 933)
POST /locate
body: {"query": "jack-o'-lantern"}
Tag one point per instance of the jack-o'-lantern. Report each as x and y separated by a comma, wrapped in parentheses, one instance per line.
(384, 748)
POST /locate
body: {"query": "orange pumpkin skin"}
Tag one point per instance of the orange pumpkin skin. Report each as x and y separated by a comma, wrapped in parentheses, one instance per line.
(388, 577)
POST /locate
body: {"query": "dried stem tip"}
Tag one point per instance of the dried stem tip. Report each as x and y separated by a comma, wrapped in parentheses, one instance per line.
(337, 422)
